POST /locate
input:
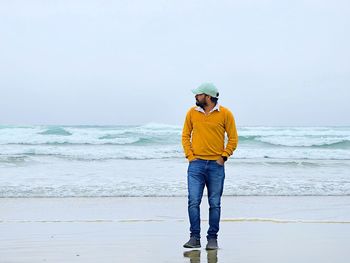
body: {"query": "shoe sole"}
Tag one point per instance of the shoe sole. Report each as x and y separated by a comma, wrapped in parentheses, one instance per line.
(187, 246)
(211, 248)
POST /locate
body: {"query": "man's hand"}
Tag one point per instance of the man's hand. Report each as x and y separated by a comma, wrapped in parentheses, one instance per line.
(220, 161)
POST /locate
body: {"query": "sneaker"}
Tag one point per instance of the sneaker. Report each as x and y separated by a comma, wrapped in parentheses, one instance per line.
(212, 244)
(194, 242)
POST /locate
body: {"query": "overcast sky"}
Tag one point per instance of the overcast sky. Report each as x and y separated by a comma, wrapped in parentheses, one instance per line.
(278, 62)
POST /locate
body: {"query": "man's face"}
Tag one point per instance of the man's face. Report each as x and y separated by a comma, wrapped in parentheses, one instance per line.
(201, 100)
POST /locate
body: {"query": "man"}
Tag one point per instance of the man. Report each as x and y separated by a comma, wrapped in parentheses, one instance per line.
(203, 140)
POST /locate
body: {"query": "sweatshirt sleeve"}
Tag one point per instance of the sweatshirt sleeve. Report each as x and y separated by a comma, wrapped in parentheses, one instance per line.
(230, 128)
(186, 137)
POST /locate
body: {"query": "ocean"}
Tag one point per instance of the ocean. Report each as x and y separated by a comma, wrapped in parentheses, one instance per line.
(148, 160)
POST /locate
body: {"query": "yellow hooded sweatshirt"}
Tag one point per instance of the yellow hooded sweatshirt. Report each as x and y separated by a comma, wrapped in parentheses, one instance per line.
(203, 136)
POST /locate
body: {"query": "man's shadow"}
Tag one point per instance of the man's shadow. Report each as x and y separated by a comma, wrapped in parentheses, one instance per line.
(195, 256)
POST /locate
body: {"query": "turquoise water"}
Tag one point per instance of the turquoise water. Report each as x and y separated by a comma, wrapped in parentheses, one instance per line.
(147, 160)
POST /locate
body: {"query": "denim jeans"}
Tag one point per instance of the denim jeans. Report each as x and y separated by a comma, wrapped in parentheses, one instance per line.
(210, 174)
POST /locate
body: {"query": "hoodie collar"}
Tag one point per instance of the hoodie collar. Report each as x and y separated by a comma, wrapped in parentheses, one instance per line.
(217, 107)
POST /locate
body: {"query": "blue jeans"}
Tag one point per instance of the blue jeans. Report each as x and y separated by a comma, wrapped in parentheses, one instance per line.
(210, 174)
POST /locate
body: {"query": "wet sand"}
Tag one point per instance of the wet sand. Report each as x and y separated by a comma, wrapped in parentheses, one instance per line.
(253, 229)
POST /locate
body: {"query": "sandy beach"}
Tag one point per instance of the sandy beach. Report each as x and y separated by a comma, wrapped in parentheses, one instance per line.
(253, 229)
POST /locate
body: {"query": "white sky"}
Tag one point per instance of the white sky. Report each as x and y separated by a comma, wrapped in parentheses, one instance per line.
(278, 62)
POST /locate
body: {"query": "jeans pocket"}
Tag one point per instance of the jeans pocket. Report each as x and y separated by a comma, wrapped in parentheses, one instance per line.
(221, 165)
(191, 163)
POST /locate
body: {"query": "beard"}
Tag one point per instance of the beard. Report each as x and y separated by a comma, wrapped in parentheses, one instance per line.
(201, 104)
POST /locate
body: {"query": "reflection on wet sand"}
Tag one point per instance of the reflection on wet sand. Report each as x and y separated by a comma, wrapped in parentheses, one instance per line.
(195, 256)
